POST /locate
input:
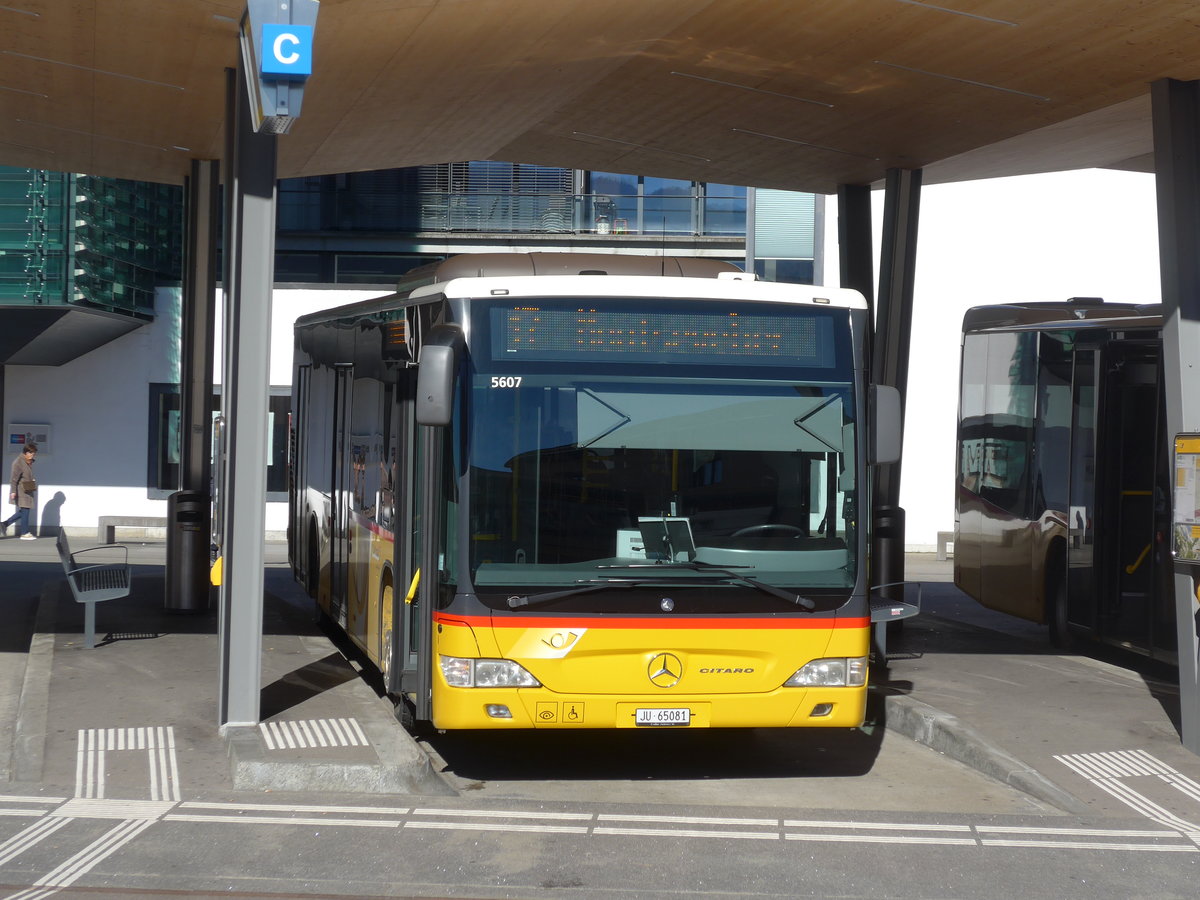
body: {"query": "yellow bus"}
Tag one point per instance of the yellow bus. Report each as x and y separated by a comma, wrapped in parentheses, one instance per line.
(1062, 511)
(593, 491)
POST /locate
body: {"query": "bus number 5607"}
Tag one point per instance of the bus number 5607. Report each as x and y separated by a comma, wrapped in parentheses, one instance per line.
(506, 381)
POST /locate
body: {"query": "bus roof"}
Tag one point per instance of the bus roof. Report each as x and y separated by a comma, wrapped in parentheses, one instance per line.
(482, 265)
(1078, 312)
(558, 274)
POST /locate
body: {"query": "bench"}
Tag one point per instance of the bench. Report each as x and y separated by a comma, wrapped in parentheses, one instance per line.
(106, 533)
(93, 583)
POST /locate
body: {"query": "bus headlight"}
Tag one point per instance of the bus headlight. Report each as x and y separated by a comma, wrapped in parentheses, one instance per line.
(485, 673)
(840, 672)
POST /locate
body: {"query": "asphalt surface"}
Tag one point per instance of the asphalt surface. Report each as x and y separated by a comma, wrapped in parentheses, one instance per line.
(974, 702)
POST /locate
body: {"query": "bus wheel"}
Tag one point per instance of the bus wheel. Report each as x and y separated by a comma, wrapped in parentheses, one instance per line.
(385, 651)
(406, 714)
(312, 576)
(1060, 632)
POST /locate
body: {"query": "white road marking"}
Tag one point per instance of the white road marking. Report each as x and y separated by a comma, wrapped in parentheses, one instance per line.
(688, 832)
(157, 742)
(687, 820)
(93, 854)
(306, 734)
(883, 839)
(1094, 845)
(23, 840)
(500, 814)
(801, 823)
(1072, 832)
(282, 820)
(1105, 771)
(1183, 784)
(278, 807)
(83, 808)
(487, 826)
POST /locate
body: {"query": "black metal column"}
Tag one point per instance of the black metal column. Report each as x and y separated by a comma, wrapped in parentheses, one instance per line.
(199, 289)
(189, 522)
(893, 335)
(855, 259)
(1176, 111)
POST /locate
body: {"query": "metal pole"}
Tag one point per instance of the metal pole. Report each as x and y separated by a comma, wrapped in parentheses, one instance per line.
(245, 401)
(199, 287)
(1176, 113)
(189, 517)
(893, 334)
(855, 260)
(750, 226)
(819, 239)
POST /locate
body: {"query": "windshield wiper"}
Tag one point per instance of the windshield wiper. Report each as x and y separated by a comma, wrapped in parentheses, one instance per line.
(581, 588)
(791, 597)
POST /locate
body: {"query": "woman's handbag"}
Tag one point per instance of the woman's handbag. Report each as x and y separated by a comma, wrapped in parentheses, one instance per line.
(29, 486)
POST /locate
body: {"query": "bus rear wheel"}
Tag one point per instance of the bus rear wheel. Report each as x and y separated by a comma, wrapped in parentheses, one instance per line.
(1061, 636)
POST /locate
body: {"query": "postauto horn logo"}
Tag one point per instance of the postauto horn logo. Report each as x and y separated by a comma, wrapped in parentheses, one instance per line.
(665, 670)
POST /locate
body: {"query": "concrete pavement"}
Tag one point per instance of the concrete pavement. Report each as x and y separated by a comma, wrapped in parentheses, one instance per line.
(1085, 734)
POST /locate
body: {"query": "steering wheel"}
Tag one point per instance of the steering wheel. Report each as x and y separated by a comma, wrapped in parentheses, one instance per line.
(769, 527)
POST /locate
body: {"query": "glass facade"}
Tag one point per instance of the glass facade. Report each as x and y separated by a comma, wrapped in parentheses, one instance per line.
(324, 222)
(35, 236)
(98, 242)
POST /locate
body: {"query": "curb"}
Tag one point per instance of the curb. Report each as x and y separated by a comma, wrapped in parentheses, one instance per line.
(949, 735)
(402, 768)
(33, 708)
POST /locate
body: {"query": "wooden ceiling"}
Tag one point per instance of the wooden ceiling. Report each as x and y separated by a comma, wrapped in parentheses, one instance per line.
(795, 94)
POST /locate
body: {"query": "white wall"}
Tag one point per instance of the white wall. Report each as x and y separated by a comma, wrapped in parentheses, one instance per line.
(97, 408)
(1090, 233)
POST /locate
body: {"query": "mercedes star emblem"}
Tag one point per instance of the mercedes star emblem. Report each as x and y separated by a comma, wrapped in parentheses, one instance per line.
(665, 670)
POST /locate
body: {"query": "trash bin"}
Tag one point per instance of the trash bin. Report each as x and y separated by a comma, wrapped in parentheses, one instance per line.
(188, 537)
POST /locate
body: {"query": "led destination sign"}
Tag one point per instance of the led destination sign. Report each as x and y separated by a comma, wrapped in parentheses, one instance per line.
(796, 338)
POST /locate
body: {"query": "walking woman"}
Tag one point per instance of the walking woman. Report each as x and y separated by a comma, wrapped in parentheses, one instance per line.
(22, 488)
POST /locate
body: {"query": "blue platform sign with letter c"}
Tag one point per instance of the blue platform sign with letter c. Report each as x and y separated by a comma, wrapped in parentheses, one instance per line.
(287, 50)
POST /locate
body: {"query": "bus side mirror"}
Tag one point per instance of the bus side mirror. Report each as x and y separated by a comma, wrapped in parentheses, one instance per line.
(436, 368)
(887, 429)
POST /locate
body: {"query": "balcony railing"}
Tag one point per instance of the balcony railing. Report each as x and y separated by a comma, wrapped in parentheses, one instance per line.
(512, 213)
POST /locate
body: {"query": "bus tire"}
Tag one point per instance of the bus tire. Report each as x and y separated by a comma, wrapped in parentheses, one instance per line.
(1061, 635)
(312, 574)
(406, 714)
(386, 650)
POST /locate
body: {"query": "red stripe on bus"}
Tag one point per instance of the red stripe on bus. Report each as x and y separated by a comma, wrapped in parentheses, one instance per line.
(665, 622)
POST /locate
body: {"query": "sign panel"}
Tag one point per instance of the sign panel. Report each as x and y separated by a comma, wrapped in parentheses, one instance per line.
(277, 56)
(1186, 517)
(287, 50)
(18, 434)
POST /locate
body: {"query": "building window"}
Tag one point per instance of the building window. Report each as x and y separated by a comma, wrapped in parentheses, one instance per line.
(724, 209)
(164, 454)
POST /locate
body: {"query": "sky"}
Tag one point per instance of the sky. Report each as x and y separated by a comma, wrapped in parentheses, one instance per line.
(1090, 233)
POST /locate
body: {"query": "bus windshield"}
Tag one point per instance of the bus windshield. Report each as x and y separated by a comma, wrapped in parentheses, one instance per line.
(619, 444)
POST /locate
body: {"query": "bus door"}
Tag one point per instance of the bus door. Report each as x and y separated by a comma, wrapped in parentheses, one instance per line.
(426, 550)
(411, 615)
(298, 474)
(1081, 510)
(1131, 498)
(340, 493)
